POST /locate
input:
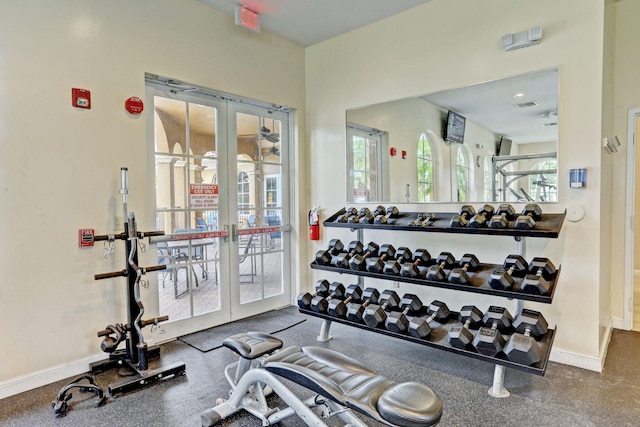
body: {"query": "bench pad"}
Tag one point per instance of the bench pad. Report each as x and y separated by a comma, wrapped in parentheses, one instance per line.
(351, 384)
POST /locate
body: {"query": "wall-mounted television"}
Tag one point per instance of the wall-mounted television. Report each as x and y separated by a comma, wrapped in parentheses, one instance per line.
(504, 146)
(454, 130)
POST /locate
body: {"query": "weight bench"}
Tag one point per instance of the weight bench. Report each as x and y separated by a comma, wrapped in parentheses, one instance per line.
(340, 384)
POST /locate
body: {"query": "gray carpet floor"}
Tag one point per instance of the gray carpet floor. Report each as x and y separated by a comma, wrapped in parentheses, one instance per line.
(565, 396)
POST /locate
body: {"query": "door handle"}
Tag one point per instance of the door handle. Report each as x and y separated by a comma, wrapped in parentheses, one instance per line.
(234, 232)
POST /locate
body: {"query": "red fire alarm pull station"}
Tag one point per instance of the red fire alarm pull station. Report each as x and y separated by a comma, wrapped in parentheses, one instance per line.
(86, 237)
(134, 105)
(81, 98)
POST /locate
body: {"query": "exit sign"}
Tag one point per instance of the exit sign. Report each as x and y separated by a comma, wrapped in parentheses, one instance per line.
(247, 18)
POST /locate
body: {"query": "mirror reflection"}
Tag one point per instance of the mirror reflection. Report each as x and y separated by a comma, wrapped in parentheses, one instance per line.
(490, 142)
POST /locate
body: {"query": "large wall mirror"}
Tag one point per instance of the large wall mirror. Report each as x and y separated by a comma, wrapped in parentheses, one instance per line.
(490, 142)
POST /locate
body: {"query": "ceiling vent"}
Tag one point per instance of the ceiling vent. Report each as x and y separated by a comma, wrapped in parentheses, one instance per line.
(526, 104)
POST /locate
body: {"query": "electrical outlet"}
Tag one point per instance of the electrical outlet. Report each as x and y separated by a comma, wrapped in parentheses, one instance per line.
(395, 284)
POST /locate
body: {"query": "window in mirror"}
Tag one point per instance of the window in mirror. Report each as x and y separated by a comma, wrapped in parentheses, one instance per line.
(487, 174)
(543, 187)
(365, 149)
(244, 195)
(463, 173)
(426, 169)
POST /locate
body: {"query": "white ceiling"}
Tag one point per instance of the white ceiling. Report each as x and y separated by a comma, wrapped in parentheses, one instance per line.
(307, 22)
(492, 105)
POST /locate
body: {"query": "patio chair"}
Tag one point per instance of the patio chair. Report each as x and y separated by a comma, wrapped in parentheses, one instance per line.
(249, 248)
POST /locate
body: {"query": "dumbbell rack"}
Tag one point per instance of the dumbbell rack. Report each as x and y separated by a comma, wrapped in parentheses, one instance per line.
(478, 282)
(549, 226)
(438, 339)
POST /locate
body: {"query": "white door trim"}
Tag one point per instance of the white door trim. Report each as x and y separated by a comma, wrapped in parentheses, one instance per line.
(629, 213)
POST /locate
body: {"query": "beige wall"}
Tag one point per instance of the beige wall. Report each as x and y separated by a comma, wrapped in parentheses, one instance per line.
(626, 87)
(419, 52)
(60, 166)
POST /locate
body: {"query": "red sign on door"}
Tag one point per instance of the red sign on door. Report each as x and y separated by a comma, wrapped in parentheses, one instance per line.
(204, 196)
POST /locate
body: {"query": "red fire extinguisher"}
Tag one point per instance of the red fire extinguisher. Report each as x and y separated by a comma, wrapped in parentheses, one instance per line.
(314, 224)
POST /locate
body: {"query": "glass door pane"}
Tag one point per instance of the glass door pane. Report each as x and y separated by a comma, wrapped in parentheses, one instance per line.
(260, 206)
(187, 203)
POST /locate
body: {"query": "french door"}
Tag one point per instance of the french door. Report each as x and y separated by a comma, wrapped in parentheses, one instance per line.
(221, 196)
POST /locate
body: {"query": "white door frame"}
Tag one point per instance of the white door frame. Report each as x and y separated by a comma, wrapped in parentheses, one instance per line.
(629, 215)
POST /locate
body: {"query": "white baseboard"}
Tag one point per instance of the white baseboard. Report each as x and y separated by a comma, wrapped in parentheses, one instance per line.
(618, 323)
(55, 373)
(47, 376)
(583, 361)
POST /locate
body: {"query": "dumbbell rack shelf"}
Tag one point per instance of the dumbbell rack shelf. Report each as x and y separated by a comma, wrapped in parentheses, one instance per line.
(438, 339)
(549, 226)
(478, 283)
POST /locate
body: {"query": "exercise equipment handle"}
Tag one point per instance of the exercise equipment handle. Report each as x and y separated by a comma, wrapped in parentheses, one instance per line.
(150, 233)
(119, 236)
(143, 323)
(154, 268)
(101, 276)
(154, 320)
(123, 273)
(122, 236)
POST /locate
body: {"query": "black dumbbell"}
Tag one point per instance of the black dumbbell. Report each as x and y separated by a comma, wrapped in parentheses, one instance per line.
(412, 269)
(324, 257)
(502, 277)
(320, 304)
(371, 216)
(397, 321)
(375, 314)
(359, 262)
(355, 311)
(460, 336)
(503, 215)
(305, 298)
(465, 213)
(459, 276)
(403, 254)
(522, 346)
(481, 219)
(489, 340)
(419, 326)
(376, 265)
(419, 219)
(436, 272)
(527, 219)
(349, 213)
(342, 259)
(392, 212)
(338, 308)
(429, 219)
(361, 213)
(541, 270)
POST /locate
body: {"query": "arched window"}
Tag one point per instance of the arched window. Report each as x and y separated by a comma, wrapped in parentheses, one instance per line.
(543, 186)
(463, 174)
(426, 169)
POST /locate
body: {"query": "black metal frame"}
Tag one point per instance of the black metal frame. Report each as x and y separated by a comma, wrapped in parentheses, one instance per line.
(134, 357)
